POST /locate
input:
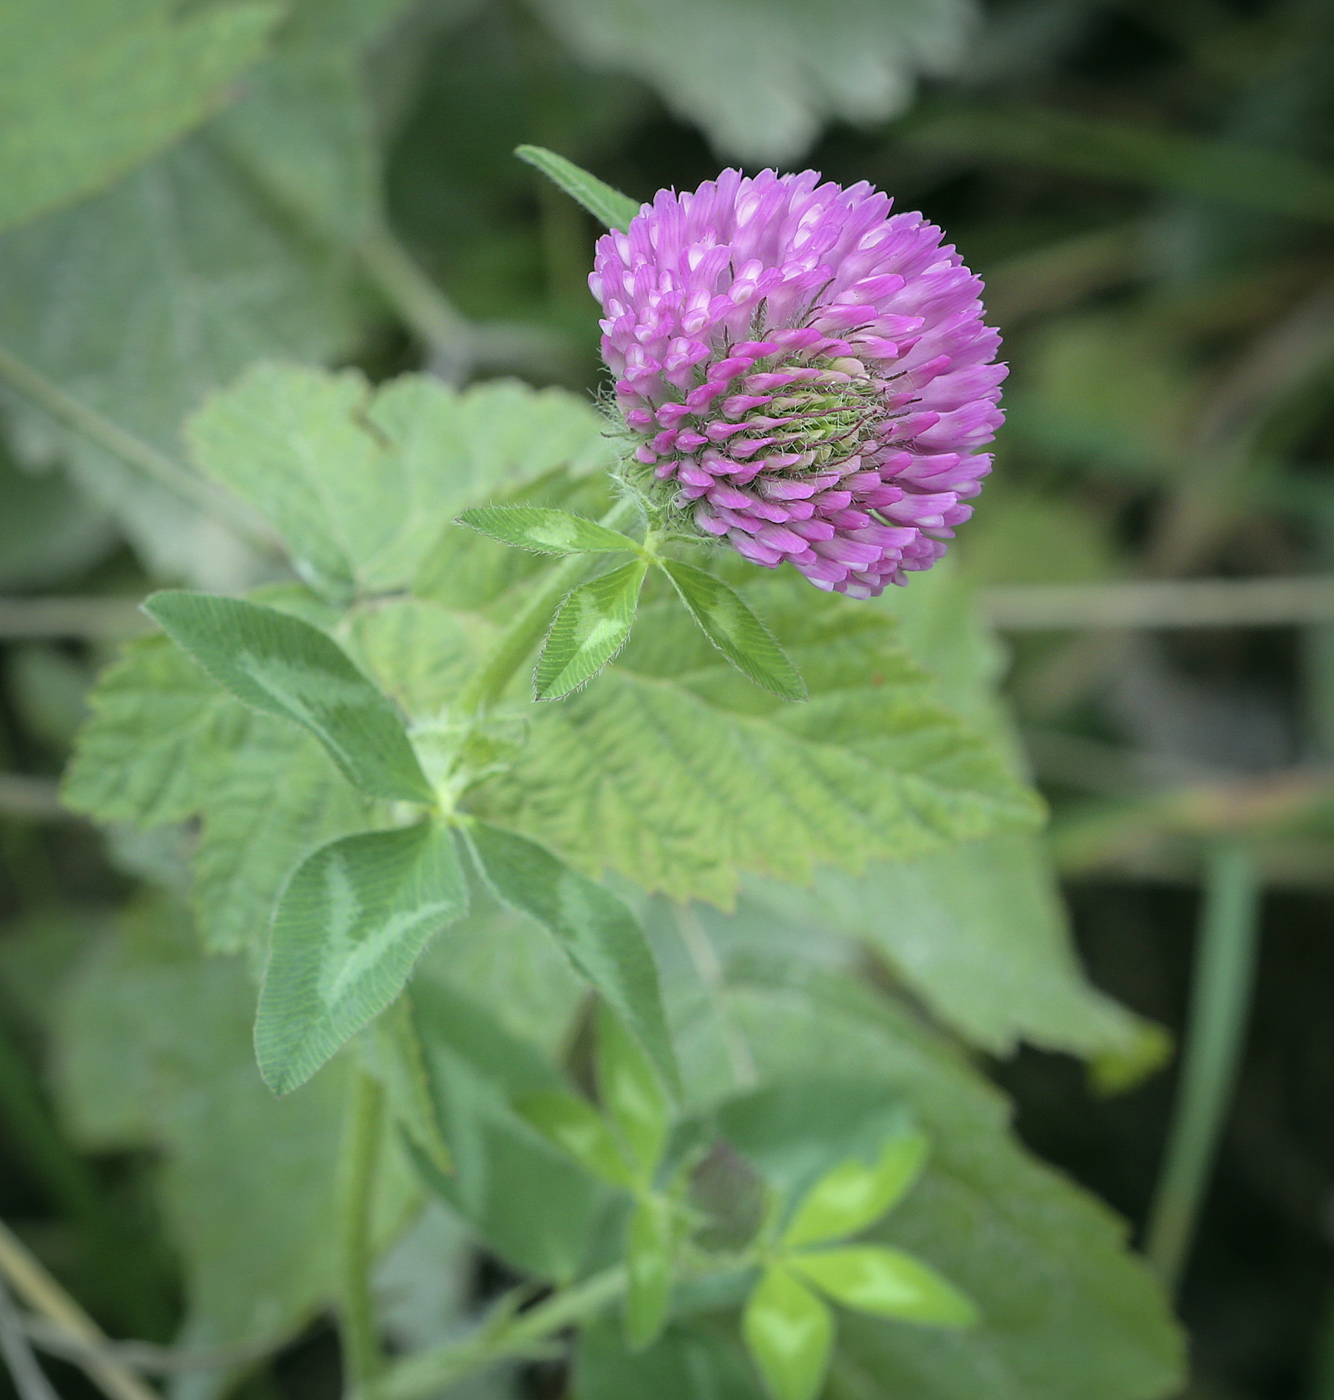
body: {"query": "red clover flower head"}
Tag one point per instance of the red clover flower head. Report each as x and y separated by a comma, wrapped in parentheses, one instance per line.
(805, 374)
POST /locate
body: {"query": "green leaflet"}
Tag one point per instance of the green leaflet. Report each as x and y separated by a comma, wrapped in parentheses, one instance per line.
(523, 1197)
(285, 667)
(349, 928)
(731, 626)
(789, 1332)
(886, 1283)
(152, 1050)
(596, 930)
(853, 1195)
(88, 90)
(592, 625)
(607, 205)
(361, 484)
(680, 775)
(544, 530)
(210, 275)
(860, 69)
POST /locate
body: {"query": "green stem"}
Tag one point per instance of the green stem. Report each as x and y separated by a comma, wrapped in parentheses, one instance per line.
(361, 1148)
(432, 1370)
(1220, 1000)
(525, 629)
(131, 450)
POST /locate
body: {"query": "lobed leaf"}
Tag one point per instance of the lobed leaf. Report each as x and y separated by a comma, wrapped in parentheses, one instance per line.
(607, 205)
(596, 930)
(349, 928)
(592, 625)
(283, 666)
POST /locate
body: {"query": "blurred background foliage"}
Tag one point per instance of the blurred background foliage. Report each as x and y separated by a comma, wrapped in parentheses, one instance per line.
(1147, 187)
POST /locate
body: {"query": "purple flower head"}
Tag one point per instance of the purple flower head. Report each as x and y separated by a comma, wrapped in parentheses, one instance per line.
(806, 375)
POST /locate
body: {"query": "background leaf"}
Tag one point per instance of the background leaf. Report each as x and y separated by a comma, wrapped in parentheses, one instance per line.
(872, 766)
(349, 928)
(285, 667)
(90, 90)
(760, 77)
(362, 485)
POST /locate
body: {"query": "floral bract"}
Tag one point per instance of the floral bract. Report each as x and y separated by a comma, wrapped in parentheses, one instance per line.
(808, 376)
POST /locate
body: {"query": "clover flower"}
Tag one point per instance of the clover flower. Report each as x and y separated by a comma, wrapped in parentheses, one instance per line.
(806, 375)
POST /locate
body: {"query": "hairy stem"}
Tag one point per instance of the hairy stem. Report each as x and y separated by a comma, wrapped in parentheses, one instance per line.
(525, 630)
(361, 1148)
(432, 1370)
(1220, 1000)
(133, 451)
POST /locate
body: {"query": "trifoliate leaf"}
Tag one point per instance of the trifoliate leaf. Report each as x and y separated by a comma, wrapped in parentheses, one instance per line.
(853, 1195)
(283, 666)
(545, 531)
(360, 483)
(731, 626)
(349, 928)
(591, 627)
(886, 1283)
(88, 90)
(596, 930)
(577, 1128)
(609, 206)
(648, 1261)
(630, 1091)
(761, 76)
(789, 1332)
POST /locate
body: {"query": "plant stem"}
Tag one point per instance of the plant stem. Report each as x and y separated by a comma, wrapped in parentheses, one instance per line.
(1220, 1000)
(440, 1366)
(361, 1149)
(29, 1379)
(44, 1295)
(133, 451)
(488, 683)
